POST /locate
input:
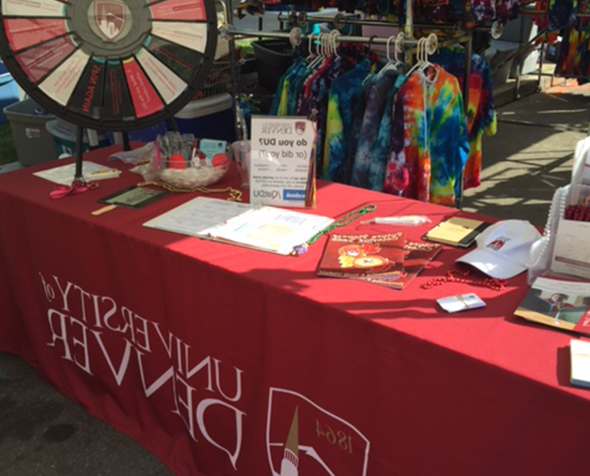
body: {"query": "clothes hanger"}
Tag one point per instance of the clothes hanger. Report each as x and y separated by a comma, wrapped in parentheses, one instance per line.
(319, 59)
(419, 55)
(311, 55)
(334, 34)
(392, 63)
(430, 46)
(368, 53)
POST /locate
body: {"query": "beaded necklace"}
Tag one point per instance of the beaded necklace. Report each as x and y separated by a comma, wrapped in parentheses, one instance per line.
(456, 276)
(345, 220)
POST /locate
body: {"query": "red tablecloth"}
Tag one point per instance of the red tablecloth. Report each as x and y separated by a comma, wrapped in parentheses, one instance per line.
(228, 361)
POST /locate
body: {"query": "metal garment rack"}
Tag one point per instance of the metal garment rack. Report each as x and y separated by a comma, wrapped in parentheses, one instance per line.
(464, 36)
(541, 34)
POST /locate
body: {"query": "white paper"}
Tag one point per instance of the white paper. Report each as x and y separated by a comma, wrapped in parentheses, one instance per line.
(280, 160)
(580, 362)
(271, 229)
(461, 302)
(571, 254)
(64, 174)
(198, 216)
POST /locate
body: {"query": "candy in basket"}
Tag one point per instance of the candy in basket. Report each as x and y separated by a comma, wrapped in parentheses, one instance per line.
(186, 162)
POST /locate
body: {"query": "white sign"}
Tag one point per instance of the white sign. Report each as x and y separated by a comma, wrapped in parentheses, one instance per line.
(281, 171)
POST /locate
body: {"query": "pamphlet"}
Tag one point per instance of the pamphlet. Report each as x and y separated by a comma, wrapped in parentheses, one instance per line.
(64, 174)
(282, 161)
(456, 231)
(388, 259)
(263, 228)
(558, 303)
(580, 363)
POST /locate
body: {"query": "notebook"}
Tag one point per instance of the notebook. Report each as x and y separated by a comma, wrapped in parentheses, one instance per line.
(456, 231)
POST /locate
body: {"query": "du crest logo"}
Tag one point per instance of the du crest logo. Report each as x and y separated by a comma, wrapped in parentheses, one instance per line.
(111, 19)
(303, 438)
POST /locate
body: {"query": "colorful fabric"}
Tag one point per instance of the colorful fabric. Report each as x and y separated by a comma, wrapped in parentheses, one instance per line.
(574, 58)
(343, 97)
(481, 116)
(379, 95)
(429, 138)
(507, 9)
(483, 10)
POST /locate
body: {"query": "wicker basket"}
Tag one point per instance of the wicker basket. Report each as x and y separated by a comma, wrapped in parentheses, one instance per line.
(199, 175)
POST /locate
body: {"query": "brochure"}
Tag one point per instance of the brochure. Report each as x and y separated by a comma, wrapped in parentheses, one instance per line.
(387, 259)
(558, 303)
(264, 228)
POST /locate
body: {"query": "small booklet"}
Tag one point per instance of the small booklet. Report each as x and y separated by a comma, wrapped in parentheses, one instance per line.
(387, 259)
(264, 228)
(558, 303)
(580, 363)
(456, 231)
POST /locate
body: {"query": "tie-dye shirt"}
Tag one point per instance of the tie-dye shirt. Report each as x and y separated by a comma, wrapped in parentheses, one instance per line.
(481, 116)
(344, 93)
(574, 58)
(373, 139)
(429, 138)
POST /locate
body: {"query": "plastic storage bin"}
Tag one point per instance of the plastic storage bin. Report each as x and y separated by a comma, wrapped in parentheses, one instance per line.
(273, 58)
(33, 142)
(8, 92)
(208, 118)
(149, 134)
(64, 136)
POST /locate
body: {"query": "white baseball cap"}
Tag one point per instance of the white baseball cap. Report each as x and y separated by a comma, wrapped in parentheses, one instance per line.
(503, 249)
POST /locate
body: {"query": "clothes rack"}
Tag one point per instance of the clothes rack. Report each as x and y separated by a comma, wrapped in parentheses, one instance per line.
(296, 36)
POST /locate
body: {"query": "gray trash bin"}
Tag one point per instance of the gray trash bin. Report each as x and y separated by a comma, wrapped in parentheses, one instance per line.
(34, 144)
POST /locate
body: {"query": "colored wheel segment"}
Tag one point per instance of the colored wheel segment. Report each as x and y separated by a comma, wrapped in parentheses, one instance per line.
(109, 64)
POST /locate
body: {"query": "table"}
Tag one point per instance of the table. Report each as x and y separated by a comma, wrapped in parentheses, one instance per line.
(228, 361)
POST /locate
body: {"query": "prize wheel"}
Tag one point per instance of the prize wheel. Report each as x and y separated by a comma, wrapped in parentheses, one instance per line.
(109, 64)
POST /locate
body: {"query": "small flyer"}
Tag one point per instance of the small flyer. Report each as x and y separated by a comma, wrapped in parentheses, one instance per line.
(282, 171)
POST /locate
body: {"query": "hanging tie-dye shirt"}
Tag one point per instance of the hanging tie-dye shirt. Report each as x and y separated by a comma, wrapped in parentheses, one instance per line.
(344, 94)
(429, 138)
(481, 116)
(371, 146)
